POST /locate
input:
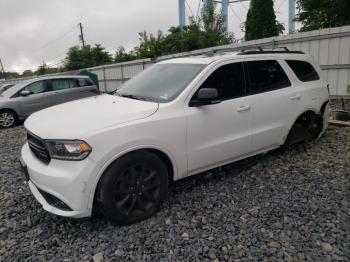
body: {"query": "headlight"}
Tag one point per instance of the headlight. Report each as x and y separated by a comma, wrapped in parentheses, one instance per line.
(71, 150)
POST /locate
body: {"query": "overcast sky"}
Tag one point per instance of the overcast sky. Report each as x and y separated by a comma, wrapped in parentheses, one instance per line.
(32, 31)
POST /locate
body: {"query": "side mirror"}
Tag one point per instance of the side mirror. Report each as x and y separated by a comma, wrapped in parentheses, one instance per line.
(24, 93)
(206, 96)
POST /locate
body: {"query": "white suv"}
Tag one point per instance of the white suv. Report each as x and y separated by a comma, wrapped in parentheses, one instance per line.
(118, 153)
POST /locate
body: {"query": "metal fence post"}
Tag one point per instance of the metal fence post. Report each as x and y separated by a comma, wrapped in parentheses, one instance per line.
(104, 78)
(122, 71)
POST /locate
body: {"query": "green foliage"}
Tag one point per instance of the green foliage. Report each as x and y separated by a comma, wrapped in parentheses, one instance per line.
(11, 75)
(44, 69)
(27, 73)
(150, 46)
(261, 21)
(122, 56)
(211, 20)
(83, 57)
(317, 14)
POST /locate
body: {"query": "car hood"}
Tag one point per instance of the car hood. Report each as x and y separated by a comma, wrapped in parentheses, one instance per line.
(74, 120)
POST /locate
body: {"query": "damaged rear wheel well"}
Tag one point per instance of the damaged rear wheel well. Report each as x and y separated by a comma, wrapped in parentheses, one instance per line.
(307, 126)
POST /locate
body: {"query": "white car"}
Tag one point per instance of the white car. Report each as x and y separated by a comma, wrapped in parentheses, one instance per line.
(118, 153)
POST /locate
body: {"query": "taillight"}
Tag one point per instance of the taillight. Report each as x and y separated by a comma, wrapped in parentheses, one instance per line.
(328, 88)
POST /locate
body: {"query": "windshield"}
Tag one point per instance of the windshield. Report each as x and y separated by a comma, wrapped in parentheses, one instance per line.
(161, 82)
(4, 88)
(13, 88)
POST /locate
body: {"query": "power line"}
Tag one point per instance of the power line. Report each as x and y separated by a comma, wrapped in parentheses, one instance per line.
(60, 62)
(189, 8)
(243, 6)
(57, 38)
(56, 57)
(198, 8)
(240, 20)
(280, 5)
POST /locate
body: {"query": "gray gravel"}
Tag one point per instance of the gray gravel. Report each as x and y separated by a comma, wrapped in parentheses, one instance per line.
(286, 205)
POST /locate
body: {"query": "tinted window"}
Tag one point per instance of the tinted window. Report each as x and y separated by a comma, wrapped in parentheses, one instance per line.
(37, 87)
(228, 79)
(61, 84)
(303, 70)
(266, 75)
(84, 82)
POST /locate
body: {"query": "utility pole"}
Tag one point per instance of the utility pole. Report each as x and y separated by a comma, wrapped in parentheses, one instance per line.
(81, 36)
(224, 13)
(2, 75)
(182, 15)
(291, 16)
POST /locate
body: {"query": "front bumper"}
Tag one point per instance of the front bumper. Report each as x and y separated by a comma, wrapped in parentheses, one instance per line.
(68, 181)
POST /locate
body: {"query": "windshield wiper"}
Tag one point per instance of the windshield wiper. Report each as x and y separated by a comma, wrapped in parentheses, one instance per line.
(132, 96)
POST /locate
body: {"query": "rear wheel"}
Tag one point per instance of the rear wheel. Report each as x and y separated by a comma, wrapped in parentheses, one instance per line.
(8, 119)
(133, 188)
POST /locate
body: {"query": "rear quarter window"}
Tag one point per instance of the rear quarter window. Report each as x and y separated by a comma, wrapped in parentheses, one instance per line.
(85, 82)
(303, 70)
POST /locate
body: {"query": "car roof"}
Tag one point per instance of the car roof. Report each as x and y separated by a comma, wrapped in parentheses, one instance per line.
(57, 77)
(210, 58)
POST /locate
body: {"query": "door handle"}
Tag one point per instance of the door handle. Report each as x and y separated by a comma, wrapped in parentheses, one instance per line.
(243, 108)
(296, 97)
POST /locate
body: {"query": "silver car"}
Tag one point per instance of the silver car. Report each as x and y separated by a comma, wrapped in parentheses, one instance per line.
(25, 98)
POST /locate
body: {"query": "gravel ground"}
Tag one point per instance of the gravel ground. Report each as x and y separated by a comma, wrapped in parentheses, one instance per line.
(289, 205)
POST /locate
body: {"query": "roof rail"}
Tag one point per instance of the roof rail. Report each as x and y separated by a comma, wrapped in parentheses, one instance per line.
(274, 50)
(252, 50)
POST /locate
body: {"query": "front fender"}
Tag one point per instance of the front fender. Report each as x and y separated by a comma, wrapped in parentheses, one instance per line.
(123, 153)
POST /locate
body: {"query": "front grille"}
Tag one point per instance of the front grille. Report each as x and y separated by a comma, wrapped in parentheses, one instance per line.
(54, 201)
(38, 147)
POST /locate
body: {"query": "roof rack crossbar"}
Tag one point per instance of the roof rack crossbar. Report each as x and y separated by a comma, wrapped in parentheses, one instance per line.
(250, 50)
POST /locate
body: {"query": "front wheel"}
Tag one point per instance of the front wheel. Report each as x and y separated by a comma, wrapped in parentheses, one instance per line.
(133, 188)
(7, 119)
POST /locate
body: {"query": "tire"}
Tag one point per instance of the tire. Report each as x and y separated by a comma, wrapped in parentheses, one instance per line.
(132, 188)
(8, 118)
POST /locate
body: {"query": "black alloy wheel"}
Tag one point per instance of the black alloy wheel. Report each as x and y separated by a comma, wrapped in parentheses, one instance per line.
(137, 189)
(132, 188)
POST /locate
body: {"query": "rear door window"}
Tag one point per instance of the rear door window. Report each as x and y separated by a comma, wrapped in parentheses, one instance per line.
(303, 70)
(265, 75)
(62, 84)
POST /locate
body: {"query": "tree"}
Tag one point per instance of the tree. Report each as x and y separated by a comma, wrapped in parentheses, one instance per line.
(317, 14)
(150, 46)
(122, 56)
(27, 73)
(11, 75)
(261, 21)
(42, 70)
(211, 20)
(87, 56)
